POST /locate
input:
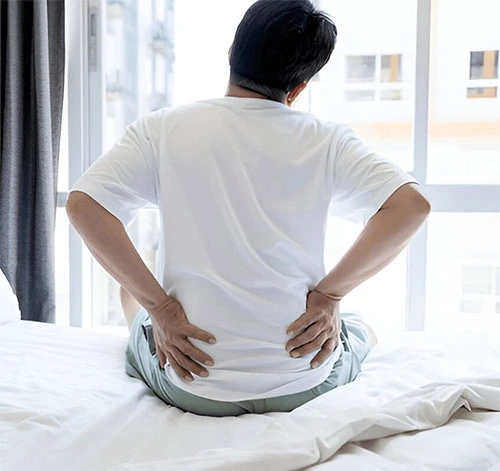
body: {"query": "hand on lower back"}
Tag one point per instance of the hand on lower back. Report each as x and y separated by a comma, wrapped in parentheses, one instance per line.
(317, 329)
(171, 331)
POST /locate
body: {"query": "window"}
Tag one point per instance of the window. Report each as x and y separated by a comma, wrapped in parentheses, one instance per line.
(379, 75)
(390, 68)
(484, 67)
(360, 69)
(464, 112)
(478, 292)
(137, 50)
(449, 279)
(463, 266)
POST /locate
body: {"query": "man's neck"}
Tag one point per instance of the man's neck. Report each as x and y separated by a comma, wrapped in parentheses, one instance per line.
(239, 92)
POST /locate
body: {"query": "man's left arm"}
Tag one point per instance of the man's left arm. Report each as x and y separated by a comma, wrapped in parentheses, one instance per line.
(369, 189)
(386, 234)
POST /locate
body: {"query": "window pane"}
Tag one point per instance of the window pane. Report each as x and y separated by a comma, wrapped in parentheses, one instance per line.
(464, 113)
(469, 305)
(138, 66)
(462, 250)
(391, 95)
(482, 92)
(360, 69)
(62, 267)
(380, 300)
(477, 279)
(476, 64)
(360, 95)
(390, 68)
(483, 65)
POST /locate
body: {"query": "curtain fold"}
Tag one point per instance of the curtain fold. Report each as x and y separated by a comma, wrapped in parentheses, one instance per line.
(32, 56)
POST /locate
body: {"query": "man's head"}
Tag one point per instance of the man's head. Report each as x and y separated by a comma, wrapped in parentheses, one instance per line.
(279, 46)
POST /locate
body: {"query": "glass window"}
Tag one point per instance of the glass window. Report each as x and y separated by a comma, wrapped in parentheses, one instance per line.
(483, 65)
(382, 299)
(136, 74)
(360, 69)
(482, 92)
(360, 95)
(391, 95)
(477, 279)
(62, 266)
(476, 65)
(470, 306)
(462, 251)
(367, 84)
(464, 113)
(390, 68)
(160, 73)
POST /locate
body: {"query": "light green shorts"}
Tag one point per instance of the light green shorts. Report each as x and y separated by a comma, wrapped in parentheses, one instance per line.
(141, 363)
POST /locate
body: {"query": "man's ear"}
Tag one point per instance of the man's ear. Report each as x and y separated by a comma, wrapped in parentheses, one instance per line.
(294, 94)
(229, 52)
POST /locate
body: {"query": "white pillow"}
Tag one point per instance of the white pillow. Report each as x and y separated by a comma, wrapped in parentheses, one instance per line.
(9, 307)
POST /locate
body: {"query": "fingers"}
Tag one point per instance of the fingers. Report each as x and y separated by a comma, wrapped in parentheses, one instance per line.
(199, 334)
(181, 372)
(325, 352)
(310, 347)
(195, 353)
(187, 363)
(304, 321)
(304, 338)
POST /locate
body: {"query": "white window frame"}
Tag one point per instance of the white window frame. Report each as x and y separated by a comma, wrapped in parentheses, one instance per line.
(86, 98)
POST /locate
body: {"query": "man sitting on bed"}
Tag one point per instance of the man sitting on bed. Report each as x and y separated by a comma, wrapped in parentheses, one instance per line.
(242, 317)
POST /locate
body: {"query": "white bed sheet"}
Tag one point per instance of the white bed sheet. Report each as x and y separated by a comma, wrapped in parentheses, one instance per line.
(66, 403)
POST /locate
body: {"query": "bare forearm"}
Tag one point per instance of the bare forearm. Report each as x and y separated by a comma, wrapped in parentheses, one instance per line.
(109, 243)
(383, 238)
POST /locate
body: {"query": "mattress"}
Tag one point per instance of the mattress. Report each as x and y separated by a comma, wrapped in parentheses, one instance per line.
(421, 402)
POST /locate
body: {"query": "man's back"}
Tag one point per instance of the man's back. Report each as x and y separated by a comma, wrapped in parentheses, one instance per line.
(244, 193)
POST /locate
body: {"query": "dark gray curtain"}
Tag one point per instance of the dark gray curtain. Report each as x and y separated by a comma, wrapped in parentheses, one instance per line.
(31, 98)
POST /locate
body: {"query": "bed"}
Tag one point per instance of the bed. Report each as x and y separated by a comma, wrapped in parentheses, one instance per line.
(422, 402)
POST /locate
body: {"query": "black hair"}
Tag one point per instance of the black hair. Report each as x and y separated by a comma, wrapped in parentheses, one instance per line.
(279, 44)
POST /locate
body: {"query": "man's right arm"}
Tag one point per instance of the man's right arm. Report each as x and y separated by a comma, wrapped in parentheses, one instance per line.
(108, 241)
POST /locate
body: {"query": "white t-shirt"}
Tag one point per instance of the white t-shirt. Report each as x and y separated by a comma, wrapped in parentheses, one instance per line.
(243, 186)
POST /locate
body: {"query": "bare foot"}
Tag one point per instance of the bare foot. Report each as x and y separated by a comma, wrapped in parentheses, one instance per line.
(129, 305)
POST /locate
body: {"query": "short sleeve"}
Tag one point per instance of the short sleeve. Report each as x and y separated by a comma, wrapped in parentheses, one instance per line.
(125, 178)
(362, 179)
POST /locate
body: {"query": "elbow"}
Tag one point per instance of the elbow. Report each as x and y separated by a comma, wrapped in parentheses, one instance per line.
(75, 206)
(420, 205)
(423, 206)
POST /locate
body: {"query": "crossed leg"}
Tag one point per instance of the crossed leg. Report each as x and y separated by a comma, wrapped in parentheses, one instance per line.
(129, 305)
